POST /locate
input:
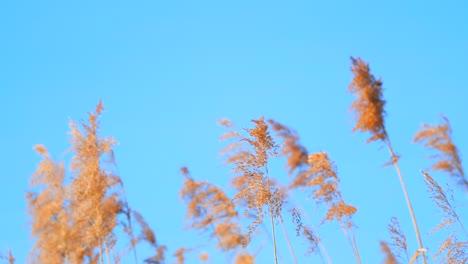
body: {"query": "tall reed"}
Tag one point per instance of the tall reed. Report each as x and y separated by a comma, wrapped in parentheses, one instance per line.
(368, 109)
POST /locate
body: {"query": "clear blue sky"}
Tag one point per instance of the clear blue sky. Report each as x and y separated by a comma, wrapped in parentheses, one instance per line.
(168, 70)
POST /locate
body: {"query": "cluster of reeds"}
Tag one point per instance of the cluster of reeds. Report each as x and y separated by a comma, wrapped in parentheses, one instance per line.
(74, 218)
(75, 213)
(369, 113)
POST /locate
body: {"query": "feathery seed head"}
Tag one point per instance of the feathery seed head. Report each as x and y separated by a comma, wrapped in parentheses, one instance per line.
(369, 106)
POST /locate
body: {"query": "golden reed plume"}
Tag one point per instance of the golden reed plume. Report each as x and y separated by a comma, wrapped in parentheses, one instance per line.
(368, 109)
(439, 138)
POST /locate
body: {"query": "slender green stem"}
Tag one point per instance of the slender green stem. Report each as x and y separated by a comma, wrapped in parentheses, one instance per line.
(408, 202)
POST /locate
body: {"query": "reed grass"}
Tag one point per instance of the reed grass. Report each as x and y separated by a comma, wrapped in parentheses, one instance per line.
(77, 214)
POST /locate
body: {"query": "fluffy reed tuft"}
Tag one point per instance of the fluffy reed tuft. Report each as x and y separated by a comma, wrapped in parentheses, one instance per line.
(439, 138)
(322, 177)
(369, 114)
(369, 105)
(389, 256)
(50, 217)
(254, 184)
(94, 200)
(209, 209)
(296, 153)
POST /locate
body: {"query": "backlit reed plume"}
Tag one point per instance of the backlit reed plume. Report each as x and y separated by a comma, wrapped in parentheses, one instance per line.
(453, 248)
(368, 110)
(128, 229)
(312, 239)
(444, 203)
(297, 163)
(295, 153)
(147, 235)
(369, 105)
(439, 138)
(209, 209)
(94, 203)
(455, 251)
(73, 218)
(49, 215)
(254, 184)
(322, 178)
(398, 238)
(389, 257)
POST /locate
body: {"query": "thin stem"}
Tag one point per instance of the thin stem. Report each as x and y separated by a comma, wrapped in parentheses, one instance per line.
(100, 254)
(274, 238)
(408, 202)
(289, 242)
(271, 216)
(323, 251)
(350, 236)
(107, 253)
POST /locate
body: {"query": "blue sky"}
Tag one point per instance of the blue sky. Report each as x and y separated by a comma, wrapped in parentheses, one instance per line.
(168, 70)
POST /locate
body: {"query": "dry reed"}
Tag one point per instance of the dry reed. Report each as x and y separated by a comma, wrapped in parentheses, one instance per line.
(209, 209)
(368, 109)
(398, 238)
(254, 184)
(455, 250)
(439, 138)
(50, 218)
(389, 256)
(94, 203)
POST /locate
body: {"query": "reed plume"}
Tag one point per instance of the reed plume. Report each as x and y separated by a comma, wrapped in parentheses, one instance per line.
(312, 238)
(321, 176)
(444, 203)
(439, 138)
(389, 256)
(208, 208)
(295, 153)
(368, 110)
(455, 251)
(254, 186)
(369, 105)
(398, 238)
(49, 214)
(94, 201)
(147, 235)
(453, 248)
